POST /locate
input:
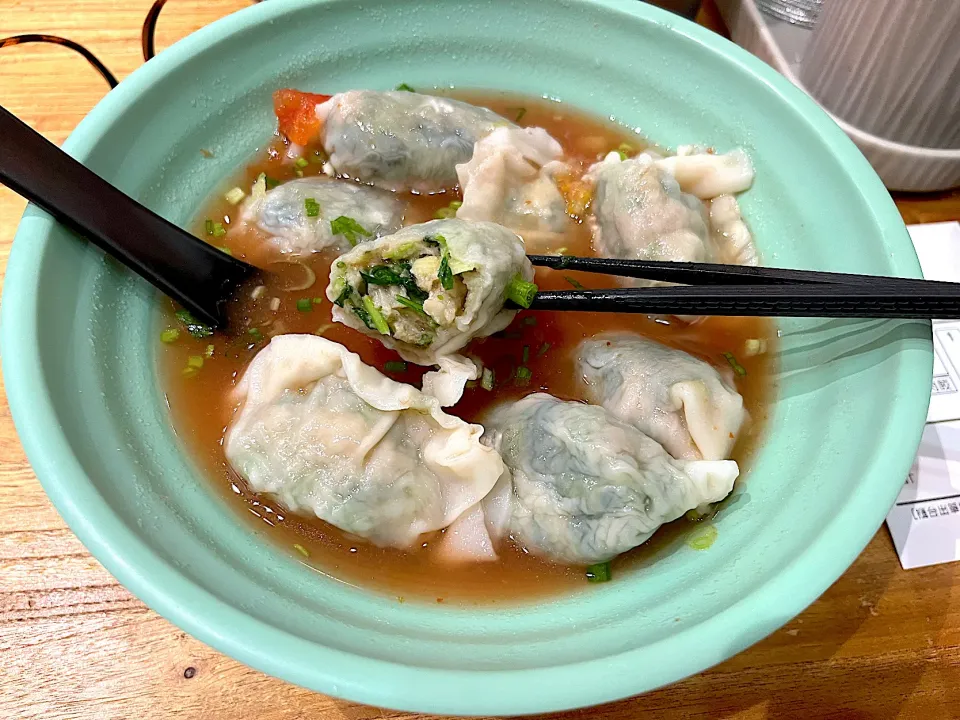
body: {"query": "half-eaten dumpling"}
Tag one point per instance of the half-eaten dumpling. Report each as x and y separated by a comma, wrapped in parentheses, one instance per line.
(586, 487)
(396, 140)
(311, 214)
(509, 181)
(429, 289)
(680, 401)
(327, 435)
(708, 175)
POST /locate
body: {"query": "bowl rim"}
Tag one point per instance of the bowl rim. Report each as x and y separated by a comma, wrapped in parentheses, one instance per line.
(388, 684)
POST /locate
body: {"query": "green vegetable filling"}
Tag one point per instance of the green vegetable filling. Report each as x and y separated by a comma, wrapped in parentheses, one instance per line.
(376, 317)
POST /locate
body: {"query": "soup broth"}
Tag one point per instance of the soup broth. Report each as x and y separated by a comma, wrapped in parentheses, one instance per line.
(201, 399)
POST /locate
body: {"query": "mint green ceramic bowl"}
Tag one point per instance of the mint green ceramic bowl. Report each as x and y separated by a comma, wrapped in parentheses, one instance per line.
(79, 340)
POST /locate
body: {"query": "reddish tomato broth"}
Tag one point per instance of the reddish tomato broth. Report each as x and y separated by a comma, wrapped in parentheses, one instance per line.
(201, 402)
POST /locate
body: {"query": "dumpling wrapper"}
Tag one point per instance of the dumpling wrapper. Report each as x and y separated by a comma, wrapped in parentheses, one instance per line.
(281, 213)
(709, 175)
(329, 436)
(509, 181)
(402, 140)
(682, 402)
(586, 487)
(483, 258)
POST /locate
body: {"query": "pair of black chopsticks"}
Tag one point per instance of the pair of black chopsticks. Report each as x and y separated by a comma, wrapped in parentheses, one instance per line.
(709, 289)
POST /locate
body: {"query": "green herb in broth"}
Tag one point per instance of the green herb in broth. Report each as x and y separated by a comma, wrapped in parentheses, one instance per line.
(737, 367)
(599, 573)
(349, 228)
(521, 291)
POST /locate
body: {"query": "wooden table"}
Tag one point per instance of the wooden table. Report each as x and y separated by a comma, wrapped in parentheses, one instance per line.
(881, 643)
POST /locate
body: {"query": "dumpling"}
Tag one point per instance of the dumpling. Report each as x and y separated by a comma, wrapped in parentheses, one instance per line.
(329, 436)
(283, 214)
(709, 175)
(730, 232)
(395, 140)
(429, 289)
(509, 180)
(680, 401)
(640, 213)
(586, 487)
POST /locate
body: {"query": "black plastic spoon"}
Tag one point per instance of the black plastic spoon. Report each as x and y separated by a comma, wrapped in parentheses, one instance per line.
(195, 274)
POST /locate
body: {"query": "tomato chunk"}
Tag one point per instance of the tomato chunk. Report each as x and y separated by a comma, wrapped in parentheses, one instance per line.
(296, 114)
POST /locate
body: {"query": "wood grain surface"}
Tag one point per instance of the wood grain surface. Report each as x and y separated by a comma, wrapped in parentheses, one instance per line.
(881, 643)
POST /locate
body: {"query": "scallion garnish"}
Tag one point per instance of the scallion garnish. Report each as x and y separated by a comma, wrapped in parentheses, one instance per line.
(526, 354)
(599, 573)
(523, 375)
(412, 304)
(189, 372)
(486, 380)
(397, 366)
(543, 349)
(195, 361)
(318, 301)
(519, 113)
(521, 292)
(349, 228)
(209, 351)
(404, 87)
(225, 250)
(169, 335)
(448, 211)
(208, 226)
(196, 328)
(300, 162)
(312, 207)
(573, 281)
(255, 334)
(304, 304)
(234, 195)
(737, 367)
(219, 230)
(376, 317)
(301, 549)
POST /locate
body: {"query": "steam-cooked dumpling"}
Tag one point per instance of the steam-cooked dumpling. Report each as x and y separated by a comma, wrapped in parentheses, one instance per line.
(678, 400)
(639, 212)
(429, 289)
(709, 175)
(402, 140)
(282, 213)
(329, 436)
(730, 232)
(586, 487)
(509, 180)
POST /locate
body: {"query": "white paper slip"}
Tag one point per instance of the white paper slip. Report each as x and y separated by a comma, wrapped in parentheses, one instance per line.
(925, 521)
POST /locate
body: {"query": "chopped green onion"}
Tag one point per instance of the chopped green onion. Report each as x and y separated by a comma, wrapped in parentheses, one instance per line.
(411, 304)
(194, 327)
(521, 292)
(318, 301)
(573, 281)
(349, 228)
(446, 277)
(209, 351)
(599, 573)
(523, 375)
(312, 207)
(304, 305)
(526, 354)
(234, 195)
(208, 226)
(270, 182)
(486, 380)
(448, 211)
(195, 361)
(703, 539)
(169, 335)
(397, 366)
(404, 87)
(300, 162)
(255, 334)
(737, 367)
(543, 349)
(219, 230)
(376, 317)
(225, 250)
(301, 549)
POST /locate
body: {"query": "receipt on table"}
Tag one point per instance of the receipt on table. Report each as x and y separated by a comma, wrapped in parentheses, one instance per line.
(925, 521)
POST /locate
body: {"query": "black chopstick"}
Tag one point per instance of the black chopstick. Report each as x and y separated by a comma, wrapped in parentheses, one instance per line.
(796, 300)
(689, 273)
